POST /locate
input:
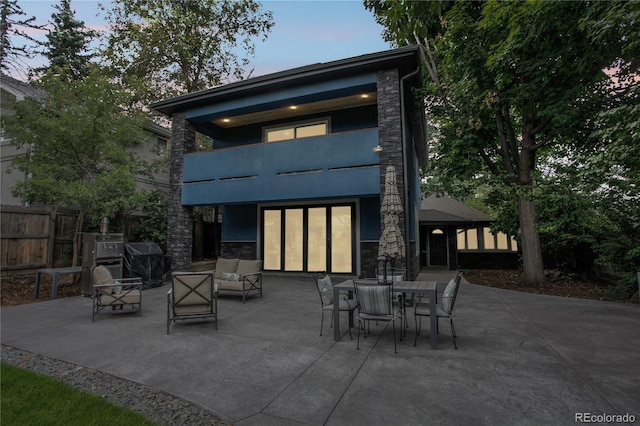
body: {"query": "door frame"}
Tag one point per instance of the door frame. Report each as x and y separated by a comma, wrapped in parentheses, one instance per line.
(427, 230)
(355, 252)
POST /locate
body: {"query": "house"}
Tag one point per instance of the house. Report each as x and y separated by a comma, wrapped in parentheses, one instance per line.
(298, 163)
(13, 90)
(454, 235)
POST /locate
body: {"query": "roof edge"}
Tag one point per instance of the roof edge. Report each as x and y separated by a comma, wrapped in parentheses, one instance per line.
(168, 106)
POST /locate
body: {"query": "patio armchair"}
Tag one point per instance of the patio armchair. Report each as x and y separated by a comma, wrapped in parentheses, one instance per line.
(192, 296)
(444, 309)
(325, 291)
(375, 303)
(114, 292)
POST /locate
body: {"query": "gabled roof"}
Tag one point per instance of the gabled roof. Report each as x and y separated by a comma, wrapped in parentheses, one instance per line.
(18, 88)
(446, 210)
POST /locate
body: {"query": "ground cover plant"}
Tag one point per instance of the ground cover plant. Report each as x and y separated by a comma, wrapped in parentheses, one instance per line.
(32, 399)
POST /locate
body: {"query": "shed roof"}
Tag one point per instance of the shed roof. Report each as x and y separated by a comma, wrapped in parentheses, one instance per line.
(447, 210)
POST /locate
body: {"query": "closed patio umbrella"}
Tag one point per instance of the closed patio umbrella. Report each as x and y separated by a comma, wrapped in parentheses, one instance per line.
(391, 241)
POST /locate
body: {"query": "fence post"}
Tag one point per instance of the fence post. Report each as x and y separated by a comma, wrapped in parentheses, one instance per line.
(52, 237)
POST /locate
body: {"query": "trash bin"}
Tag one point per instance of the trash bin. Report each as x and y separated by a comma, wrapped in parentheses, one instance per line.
(145, 260)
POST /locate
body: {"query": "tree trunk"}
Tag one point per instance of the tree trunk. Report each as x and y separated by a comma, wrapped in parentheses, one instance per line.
(533, 266)
(75, 260)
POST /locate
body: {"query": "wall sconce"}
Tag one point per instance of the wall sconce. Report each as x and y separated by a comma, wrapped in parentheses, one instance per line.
(378, 149)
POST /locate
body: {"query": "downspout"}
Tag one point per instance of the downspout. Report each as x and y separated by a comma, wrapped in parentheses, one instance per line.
(405, 179)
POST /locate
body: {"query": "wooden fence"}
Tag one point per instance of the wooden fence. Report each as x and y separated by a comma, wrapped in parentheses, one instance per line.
(35, 237)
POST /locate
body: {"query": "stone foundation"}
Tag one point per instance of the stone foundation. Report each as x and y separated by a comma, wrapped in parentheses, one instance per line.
(239, 249)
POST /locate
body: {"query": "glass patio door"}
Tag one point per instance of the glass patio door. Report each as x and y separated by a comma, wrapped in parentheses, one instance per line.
(309, 238)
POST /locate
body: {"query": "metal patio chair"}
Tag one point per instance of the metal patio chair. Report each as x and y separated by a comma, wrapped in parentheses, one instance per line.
(375, 304)
(444, 309)
(114, 292)
(325, 291)
(192, 296)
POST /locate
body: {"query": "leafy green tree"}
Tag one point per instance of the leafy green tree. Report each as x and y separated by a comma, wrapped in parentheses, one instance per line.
(513, 84)
(183, 46)
(67, 43)
(153, 224)
(12, 18)
(77, 137)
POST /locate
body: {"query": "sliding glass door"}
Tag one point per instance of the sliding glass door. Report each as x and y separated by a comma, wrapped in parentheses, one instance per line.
(309, 238)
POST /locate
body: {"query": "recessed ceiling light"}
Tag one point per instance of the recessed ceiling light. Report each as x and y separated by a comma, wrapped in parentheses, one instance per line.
(226, 120)
(293, 107)
(364, 96)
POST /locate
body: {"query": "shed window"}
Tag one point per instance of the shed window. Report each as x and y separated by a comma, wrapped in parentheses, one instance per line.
(468, 240)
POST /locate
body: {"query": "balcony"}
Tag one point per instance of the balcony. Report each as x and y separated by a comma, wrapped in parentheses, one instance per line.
(338, 165)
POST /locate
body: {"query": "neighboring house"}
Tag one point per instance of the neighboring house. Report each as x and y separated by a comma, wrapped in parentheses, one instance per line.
(454, 235)
(14, 91)
(11, 91)
(298, 163)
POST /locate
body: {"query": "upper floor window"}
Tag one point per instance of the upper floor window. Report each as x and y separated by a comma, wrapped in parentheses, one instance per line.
(161, 147)
(296, 131)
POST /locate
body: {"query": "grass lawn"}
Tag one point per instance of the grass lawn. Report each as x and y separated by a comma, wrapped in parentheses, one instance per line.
(28, 398)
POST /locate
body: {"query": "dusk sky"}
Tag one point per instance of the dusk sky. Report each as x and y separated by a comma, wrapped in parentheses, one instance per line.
(305, 32)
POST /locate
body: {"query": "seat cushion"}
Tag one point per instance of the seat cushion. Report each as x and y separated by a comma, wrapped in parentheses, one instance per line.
(246, 267)
(226, 265)
(192, 288)
(203, 309)
(447, 296)
(102, 276)
(375, 299)
(230, 285)
(326, 290)
(130, 296)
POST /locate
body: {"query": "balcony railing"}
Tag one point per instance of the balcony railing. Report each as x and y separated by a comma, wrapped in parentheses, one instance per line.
(333, 166)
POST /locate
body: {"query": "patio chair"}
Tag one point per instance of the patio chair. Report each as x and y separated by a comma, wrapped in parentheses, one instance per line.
(193, 295)
(444, 309)
(398, 274)
(114, 292)
(375, 303)
(325, 291)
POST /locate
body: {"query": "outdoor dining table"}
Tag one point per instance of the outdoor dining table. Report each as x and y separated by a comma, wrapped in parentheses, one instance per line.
(416, 287)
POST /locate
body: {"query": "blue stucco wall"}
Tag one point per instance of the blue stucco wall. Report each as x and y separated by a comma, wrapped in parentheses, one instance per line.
(240, 222)
(370, 218)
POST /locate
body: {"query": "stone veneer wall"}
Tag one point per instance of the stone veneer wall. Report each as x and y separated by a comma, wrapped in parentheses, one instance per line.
(368, 256)
(414, 267)
(180, 220)
(239, 249)
(390, 138)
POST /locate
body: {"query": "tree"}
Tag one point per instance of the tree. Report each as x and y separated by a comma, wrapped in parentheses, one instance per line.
(183, 46)
(10, 53)
(510, 84)
(67, 43)
(77, 137)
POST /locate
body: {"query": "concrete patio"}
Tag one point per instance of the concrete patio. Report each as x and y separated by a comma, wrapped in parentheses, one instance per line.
(523, 359)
